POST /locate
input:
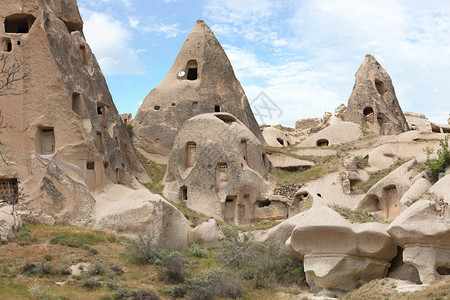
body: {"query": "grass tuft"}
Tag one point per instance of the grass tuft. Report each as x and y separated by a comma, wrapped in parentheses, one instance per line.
(356, 216)
(155, 171)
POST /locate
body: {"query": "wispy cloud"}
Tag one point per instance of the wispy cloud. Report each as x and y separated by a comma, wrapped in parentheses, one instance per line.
(304, 54)
(168, 30)
(133, 22)
(152, 26)
(110, 41)
(286, 83)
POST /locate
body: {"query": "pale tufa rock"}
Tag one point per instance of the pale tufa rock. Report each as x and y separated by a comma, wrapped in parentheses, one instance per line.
(336, 253)
(201, 80)
(373, 101)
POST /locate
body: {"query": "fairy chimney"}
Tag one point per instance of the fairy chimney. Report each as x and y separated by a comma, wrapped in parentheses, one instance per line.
(373, 101)
(63, 138)
(200, 81)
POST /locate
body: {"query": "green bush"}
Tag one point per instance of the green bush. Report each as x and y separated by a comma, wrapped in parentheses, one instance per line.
(48, 257)
(171, 267)
(111, 284)
(178, 291)
(91, 283)
(361, 163)
(38, 292)
(438, 166)
(118, 270)
(23, 236)
(142, 250)
(197, 251)
(266, 263)
(272, 265)
(65, 270)
(129, 129)
(218, 283)
(364, 129)
(96, 269)
(40, 269)
(125, 294)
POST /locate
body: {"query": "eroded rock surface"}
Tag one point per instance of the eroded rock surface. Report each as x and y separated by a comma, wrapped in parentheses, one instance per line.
(373, 101)
(200, 81)
(219, 168)
(10, 222)
(423, 230)
(337, 254)
(65, 139)
(139, 212)
(335, 134)
(383, 198)
(207, 234)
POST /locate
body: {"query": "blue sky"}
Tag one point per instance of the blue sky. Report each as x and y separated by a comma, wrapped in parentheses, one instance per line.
(302, 53)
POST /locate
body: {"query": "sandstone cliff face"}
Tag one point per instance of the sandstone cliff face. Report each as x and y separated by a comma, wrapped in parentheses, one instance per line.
(201, 80)
(373, 101)
(64, 137)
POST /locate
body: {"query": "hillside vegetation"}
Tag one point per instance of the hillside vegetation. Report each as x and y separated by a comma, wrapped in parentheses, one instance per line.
(68, 262)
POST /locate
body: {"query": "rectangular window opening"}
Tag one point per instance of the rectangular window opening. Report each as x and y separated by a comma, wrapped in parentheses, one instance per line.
(9, 190)
(83, 54)
(90, 165)
(45, 142)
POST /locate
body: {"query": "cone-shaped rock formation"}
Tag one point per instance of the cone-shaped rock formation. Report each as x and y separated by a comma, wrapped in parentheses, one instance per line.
(64, 138)
(201, 80)
(373, 101)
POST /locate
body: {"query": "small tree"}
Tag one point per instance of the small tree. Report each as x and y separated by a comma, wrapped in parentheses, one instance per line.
(438, 166)
(10, 73)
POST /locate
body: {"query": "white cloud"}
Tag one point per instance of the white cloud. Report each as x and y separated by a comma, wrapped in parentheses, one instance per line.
(133, 22)
(330, 38)
(92, 3)
(287, 84)
(127, 3)
(238, 13)
(170, 30)
(409, 39)
(109, 40)
(251, 19)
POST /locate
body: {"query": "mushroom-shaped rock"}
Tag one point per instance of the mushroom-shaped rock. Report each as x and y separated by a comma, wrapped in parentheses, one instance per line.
(373, 101)
(337, 133)
(423, 230)
(200, 81)
(337, 254)
(218, 167)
